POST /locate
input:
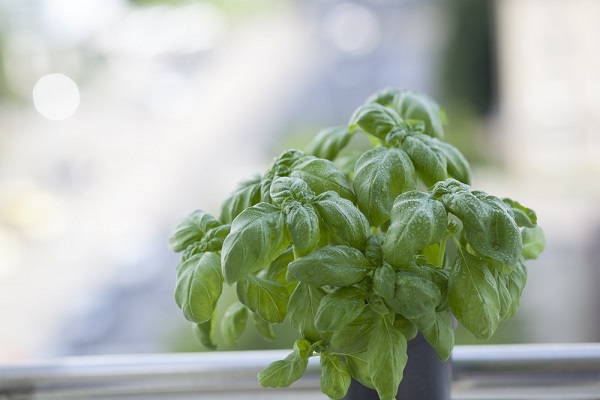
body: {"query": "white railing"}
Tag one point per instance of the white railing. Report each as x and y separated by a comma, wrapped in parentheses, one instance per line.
(525, 372)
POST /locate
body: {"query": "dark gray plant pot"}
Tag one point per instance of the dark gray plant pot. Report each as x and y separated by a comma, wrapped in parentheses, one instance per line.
(425, 376)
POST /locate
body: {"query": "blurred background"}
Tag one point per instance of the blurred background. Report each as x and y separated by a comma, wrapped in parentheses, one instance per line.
(118, 117)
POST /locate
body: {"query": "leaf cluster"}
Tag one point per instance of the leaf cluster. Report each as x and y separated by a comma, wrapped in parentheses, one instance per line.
(358, 259)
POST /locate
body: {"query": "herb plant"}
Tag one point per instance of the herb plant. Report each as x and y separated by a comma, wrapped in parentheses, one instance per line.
(359, 251)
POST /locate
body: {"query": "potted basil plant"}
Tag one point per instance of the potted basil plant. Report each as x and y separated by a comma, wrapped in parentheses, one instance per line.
(359, 252)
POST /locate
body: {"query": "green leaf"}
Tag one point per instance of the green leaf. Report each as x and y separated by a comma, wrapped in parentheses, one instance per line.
(339, 309)
(331, 265)
(429, 161)
(515, 284)
(329, 142)
(283, 373)
(347, 162)
(380, 175)
(286, 189)
(354, 337)
(375, 119)
(374, 250)
(303, 348)
(533, 241)
(457, 165)
(204, 332)
(264, 328)
(266, 298)
(417, 220)
(524, 217)
(281, 167)
(199, 286)
(503, 294)
(246, 194)
(418, 106)
(214, 238)
(258, 236)
(302, 222)
(406, 326)
(278, 268)
(441, 335)
(302, 309)
(322, 176)
(357, 364)
(385, 96)
(473, 295)
(386, 358)
(233, 323)
(343, 219)
(414, 296)
(488, 228)
(384, 281)
(191, 229)
(335, 376)
(377, 304)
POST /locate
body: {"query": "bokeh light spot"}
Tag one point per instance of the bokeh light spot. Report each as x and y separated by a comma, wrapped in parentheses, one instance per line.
(56, 97)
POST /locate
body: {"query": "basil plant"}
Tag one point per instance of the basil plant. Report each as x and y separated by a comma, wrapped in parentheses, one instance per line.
(359, 252)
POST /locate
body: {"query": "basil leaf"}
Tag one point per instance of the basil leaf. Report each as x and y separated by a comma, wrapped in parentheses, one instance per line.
(204, 332)
(302, 222)
(258, 236)
(375, 119)
(233, 322)
(347, 162)
(329, 142)
(190, 229)
(331, 265)
(266, 298)
(380, 175)
(384, 281)
(215, 237)
(515, 284)
(429, 161)
(246, 194)
(357, 364)
(302, 309)
(386, 358)
(488, 228)
(524, 217)
(441, 335)
(377, 304)
(533, 241)
(417, 106)
(406, 327)
(199, 286)
(283, 373)
(457, 165)
(281, 167)
(321, 176)
(473, 295)
(503, 295)
(354, 337)
(339, 309)
(414, 296)
(385, 97)
(335, 376)
(343, 219)
(264, 328)
(285, 189)
(417, 220)
(278, 268)
(374, 250)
